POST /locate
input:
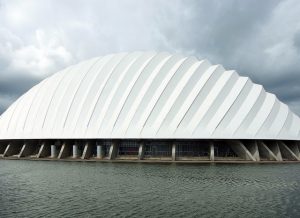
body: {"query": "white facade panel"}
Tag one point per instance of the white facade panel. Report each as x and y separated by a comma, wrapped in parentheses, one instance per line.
(148, 95)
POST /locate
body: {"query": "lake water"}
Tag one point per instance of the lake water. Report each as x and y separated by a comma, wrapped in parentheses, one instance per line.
(85, 189)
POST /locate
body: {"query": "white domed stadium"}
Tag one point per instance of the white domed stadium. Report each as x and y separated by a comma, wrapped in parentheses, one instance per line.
(149, 106)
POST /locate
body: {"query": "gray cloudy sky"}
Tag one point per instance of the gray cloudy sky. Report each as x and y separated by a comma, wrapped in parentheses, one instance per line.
(259, 39)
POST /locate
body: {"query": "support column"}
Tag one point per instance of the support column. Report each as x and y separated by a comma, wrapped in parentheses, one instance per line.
(287, 152)
(11, 149)
(100, 151)
(174, 152)
(53, 151)
(87, 151)
(64, 151)
(266, 151)
(212, 151)
(295, 149)
(7, 150)
(44, 151)
(253, 149)
(26, 150)
(240, 149)
(141, 151)
(113, 151)
(75, 151)
(276, 151)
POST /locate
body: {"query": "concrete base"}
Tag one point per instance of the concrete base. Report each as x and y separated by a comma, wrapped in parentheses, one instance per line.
(247, 151)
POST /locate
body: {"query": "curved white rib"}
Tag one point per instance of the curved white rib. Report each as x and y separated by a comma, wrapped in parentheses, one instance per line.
(148, 95)
(150, 74)
(125, 90)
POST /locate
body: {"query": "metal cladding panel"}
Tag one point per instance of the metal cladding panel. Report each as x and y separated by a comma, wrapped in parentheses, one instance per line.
(148, 95)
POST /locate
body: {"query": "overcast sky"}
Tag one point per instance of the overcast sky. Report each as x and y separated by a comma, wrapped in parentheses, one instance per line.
(259, 39)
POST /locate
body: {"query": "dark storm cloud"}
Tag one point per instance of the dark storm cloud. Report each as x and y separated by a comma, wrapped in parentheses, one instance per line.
(259, 39)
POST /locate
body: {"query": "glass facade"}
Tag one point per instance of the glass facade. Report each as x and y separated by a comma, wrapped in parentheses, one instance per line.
(128, 147)
(222, 149)
(158, 149)
(192, 149)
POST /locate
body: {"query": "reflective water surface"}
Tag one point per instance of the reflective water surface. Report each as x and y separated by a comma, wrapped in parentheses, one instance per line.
(76, 189)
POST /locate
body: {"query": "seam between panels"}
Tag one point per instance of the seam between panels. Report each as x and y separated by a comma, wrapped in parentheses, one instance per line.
(262, 94)
(269, 114)
(289, 115)
(78, 87)
(109, 58)
(27, 96)
(223, 117)
(283, 105)
(196, 65)
(242, 115)
(233, 104)
(140, 73)
(72, 78)
(13, 113)
(42, 84)
(157, 70)
(197, 94)
(114, 89)
(102, 88)
(162, 93)
(215, 98)
(189, 99)
(53, 94)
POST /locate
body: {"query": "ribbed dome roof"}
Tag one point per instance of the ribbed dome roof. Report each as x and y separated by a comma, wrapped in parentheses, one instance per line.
(148, 95)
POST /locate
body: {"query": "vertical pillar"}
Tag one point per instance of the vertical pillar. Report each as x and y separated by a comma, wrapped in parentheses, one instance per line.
(100, 152)
(174, 152)
(12, 149)
(87, 151)
(65, 151)
(75, 151)
(44, 150)
(22, 152)
(141, 151)
(212, 151)
(113, 151)
(7, 149)
(53, 151)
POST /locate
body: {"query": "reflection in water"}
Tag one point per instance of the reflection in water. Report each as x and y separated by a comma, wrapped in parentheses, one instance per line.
(68, 189)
